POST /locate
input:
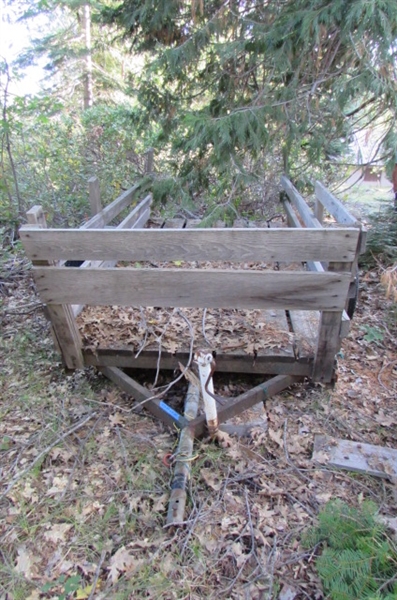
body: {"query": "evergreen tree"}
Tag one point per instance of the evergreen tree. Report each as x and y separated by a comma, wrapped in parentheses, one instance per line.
(232, 83)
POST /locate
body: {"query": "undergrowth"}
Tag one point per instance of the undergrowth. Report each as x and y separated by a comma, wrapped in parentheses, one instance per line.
(381, 241)
(359, 560)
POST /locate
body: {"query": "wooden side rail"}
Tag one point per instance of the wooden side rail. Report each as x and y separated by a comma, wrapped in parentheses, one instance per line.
(324, 199)
(235, 245)
(62, 314)
(205, 288)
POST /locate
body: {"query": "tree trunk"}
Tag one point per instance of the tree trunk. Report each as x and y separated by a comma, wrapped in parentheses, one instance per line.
(88, 87)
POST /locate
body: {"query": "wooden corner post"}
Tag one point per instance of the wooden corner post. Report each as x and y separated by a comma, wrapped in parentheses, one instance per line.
(329, 336)
(64, 326)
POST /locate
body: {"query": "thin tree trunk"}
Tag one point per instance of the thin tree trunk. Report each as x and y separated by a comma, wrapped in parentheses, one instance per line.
(7, 140)
(88, 85)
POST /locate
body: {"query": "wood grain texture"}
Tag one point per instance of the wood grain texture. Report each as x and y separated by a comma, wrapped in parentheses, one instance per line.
(111, 211)
(94, 196)
(300, 204)
(236, 406)
(377, 461)
(329, 336)
(270, 364)
(64, 328)
(195, 288)
(334, 206)
(138, 220)
(236, 245)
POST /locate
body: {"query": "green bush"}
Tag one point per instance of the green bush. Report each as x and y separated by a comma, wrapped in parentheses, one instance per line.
(359, 560)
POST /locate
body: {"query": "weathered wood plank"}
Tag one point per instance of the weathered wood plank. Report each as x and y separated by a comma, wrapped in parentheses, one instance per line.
(300, 204)
(329, 336)
(305, 326)
(156, 407)
(234, 407)
(271, 364)
(195, 288)
(64, 328)
(66, 334)
(111, 211)
(138, 216)
(238, 245)
(334, 206)
(340, 213)
(356, 456)
(138, 219)
(94, 193)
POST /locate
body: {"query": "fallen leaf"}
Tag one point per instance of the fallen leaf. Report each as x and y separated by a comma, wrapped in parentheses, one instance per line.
(25, 563)
(57, 532)
(276, 436)
(123, 562)
(211, 479)
(116, 419)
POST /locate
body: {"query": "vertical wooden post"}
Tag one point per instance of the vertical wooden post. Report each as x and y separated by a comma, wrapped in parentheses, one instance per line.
(319, 210)
(149, 161)
(329, 336)
(66, 333)
(94, 196)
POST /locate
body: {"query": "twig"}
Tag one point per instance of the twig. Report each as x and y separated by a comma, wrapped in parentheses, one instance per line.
(22, 473)
(203, 327)
(24, 312)
(390, 364)
(97, 572)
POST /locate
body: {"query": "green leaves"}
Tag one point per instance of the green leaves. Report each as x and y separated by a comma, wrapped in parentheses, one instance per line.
(358, 559)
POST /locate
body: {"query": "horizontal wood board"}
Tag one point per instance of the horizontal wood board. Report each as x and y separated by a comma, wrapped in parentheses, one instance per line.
(225, 363)
(356, 456)
(236, 245)
(201, 288)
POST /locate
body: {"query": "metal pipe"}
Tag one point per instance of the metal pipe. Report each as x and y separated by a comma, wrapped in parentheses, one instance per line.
(183, 459)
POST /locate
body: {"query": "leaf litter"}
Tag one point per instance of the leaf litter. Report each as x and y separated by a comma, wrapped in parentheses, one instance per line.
(87, 519)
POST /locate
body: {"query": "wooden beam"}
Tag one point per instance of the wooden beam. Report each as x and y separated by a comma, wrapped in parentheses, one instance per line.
(298, 201)
(329, 336)
(155, 406)
(377, 461)
(211, 288)
(334, 206)
(111, 211)
(293, 221)
(271, 364)
(340, 213)
(94, 196)
(236, 406)
(137, 218)
(236, 245)
(64, 328)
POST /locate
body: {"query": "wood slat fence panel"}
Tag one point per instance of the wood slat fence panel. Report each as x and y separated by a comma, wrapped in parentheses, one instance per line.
(237, 245)
(213, 288)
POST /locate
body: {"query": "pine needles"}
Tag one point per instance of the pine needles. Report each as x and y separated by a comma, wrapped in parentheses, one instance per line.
(359, 561)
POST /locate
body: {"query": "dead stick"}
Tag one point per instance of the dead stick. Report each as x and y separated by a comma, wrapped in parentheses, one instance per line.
(45, 451)
(183, 457)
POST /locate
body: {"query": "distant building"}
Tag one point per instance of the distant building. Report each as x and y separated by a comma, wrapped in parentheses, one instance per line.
(366, 149)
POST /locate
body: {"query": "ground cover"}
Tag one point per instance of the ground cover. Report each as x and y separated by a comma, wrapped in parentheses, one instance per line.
(84, 488)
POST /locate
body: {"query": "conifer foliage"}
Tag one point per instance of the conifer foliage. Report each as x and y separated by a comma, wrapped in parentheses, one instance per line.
(231, 82)
(358, 561)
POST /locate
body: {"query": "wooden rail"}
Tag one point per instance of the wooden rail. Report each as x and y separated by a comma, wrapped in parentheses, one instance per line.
(321, 289)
